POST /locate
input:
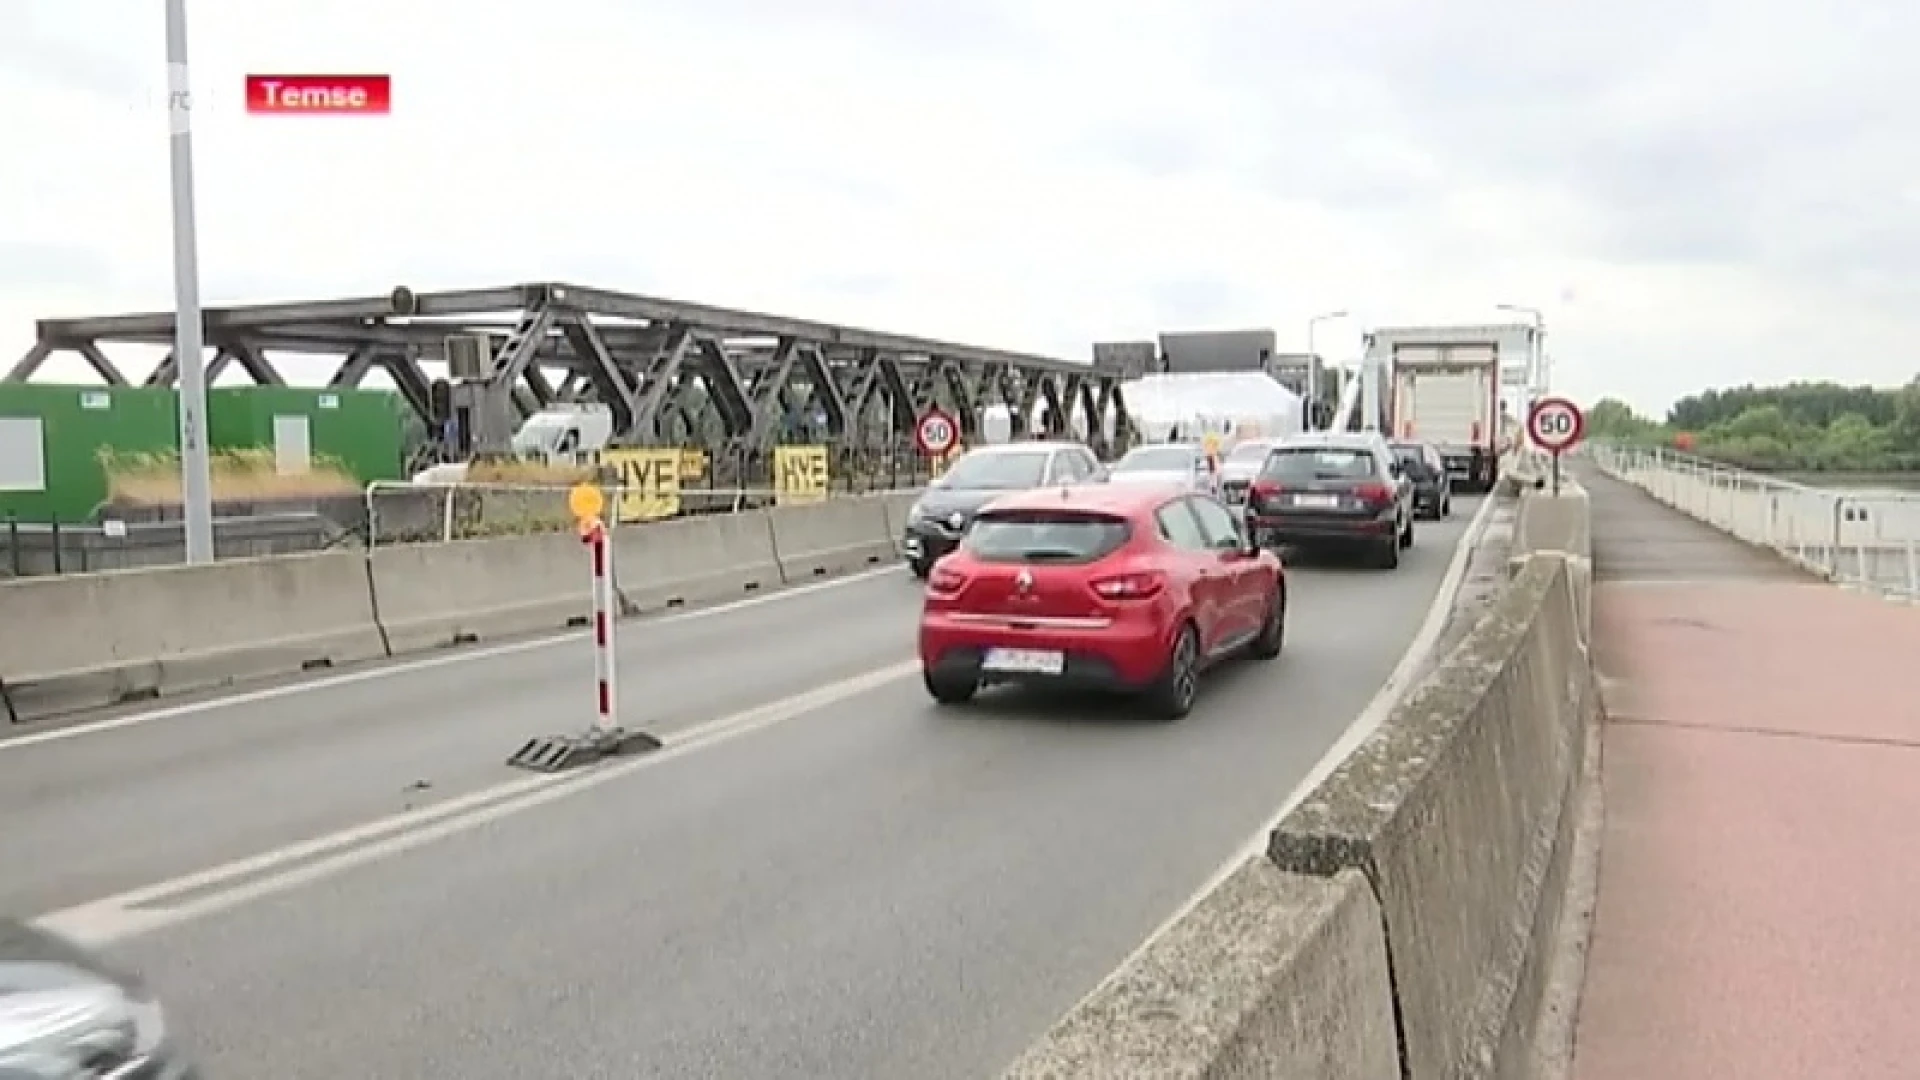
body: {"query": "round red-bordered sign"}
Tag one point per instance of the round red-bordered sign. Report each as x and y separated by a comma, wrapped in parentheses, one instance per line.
(935, 433)
(1556, 425)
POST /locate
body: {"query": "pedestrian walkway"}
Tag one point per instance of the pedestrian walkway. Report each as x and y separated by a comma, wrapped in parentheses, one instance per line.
(1759, 890)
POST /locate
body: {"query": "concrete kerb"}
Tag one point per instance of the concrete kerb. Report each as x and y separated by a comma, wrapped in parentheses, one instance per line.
(1456, 813)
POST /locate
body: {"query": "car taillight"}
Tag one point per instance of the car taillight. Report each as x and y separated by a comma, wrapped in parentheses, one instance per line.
(945, 581)
(1262, 490)
(1131, 586)
(1373, 493)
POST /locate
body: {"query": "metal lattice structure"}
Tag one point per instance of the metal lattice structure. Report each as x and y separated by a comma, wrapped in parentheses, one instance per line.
(670, 372)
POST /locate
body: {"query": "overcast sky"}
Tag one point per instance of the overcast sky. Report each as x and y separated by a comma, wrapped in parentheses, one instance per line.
(1696, 192)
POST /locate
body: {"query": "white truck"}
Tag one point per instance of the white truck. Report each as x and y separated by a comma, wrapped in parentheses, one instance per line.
(1447, 395)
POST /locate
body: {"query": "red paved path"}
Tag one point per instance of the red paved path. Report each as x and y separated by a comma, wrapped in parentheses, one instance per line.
(1759, 908)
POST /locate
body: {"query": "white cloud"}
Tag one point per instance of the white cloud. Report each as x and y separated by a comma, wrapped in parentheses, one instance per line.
(1696, 194)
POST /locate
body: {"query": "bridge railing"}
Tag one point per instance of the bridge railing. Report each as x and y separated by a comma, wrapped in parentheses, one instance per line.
(1867, 538)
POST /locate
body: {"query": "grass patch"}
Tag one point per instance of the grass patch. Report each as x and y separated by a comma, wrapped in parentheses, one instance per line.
(528, 473)
(152, 478)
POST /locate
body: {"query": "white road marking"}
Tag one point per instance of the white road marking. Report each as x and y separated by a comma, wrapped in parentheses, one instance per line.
(388, 670)
(143, 910)
(1377, 709)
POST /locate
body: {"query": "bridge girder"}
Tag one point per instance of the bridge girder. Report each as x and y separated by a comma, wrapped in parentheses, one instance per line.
(670, 372)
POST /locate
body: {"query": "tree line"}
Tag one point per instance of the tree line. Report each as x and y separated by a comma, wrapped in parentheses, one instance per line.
(1799, 427)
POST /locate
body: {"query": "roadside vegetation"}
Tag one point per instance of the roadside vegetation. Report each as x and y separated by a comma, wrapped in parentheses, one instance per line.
(1800, 427)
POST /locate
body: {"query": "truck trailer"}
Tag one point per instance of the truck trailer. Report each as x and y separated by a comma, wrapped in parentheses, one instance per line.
(1444, 388)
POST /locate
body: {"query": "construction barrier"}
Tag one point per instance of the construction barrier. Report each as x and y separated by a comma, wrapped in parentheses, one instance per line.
(80, 641)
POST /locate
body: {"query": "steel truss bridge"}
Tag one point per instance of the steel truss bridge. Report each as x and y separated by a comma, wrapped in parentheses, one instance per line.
(670, 372)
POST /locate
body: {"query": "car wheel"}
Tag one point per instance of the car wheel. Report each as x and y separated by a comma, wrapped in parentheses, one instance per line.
(950, 689)
(920, 568)
(1172, 696)
(1273, 631)
(1406, 534)
(1445, 511)
(1387, 554)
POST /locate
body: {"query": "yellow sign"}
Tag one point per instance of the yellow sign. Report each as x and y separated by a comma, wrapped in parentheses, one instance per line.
(585, 501)
(693, 465)
(799, 475)
(649, 484)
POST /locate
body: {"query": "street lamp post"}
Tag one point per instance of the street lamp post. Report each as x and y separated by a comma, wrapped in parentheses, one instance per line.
(196, 484)
(1313, 367)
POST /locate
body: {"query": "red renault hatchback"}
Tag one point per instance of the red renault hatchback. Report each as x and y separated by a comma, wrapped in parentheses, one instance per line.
(1131, 588)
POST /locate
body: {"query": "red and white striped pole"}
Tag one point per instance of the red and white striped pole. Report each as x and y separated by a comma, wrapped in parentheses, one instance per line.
(605, 721)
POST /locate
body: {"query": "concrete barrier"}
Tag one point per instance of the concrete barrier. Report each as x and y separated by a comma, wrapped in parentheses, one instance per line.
(1457, 812)
(693, 560)
(83, 640)
(1403, 919)
(433, 595)
(1271, 975)
(833, 537)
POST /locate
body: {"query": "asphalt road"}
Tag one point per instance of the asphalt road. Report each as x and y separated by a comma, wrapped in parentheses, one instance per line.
(852, 883)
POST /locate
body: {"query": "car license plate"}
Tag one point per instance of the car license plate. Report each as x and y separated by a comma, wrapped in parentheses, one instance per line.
(1317, 502)
(1025, 661)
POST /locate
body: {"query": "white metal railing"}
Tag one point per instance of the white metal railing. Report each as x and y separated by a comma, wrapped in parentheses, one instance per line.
(1869, 539)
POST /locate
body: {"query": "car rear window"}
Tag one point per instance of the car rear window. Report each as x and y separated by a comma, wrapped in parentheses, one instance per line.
(1045, 536)
(1155, 459)
(998, 470)
(1320, 463)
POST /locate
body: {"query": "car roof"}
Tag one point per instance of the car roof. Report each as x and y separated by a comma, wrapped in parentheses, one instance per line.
(1034, 446)
(1120, 500)
(1191, 448)
(1345, 440)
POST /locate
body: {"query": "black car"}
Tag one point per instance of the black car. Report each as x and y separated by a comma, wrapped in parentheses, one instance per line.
(1334, 489)
(1432, 487)
(65, 1014)
(936, 522)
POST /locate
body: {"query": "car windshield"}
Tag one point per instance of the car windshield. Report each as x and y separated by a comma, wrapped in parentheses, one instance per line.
(999, 471)
(1319, 463)
(1050, 536)
(1156, 459)
(1248, 453)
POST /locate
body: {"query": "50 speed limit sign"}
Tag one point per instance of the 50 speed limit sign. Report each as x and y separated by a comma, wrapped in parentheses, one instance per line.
(1555, 424)
(935, 433)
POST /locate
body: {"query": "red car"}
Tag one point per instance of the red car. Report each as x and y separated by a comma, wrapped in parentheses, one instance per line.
(1131, 588)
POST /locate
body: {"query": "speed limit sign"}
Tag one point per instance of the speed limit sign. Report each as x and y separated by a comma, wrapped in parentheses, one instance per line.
(1555, 424)
(935, 433)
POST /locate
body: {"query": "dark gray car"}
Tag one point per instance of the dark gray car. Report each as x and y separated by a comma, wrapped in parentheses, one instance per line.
(1432, 486)
(941, 516)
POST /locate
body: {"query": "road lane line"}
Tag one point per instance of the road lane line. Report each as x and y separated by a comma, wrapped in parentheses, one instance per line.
(408, 666)
(144, 910)
(1369, 719)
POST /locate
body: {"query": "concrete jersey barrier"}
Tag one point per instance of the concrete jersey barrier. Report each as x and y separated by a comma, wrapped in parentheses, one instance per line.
(83, 640)
(1271, 975)
(1401, 920)
(1458, 813)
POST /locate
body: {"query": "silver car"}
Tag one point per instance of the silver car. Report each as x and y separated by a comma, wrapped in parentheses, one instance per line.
(1176, 464)
(1241, 465)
